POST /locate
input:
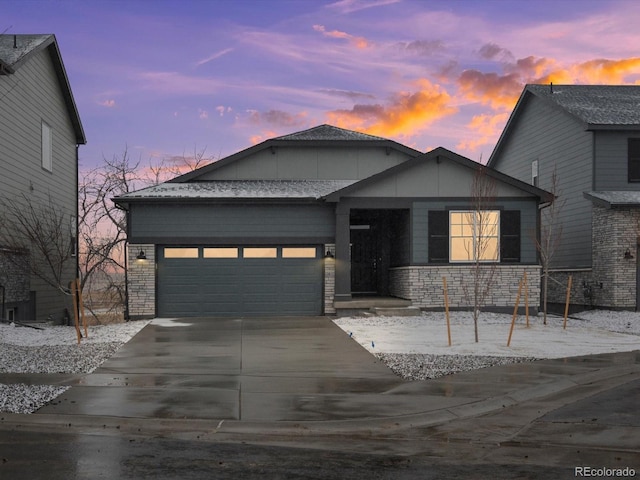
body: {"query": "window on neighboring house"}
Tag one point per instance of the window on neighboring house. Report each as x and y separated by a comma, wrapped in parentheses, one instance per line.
(474, 235)
(633, 159)
(534, 173)
(47, 153)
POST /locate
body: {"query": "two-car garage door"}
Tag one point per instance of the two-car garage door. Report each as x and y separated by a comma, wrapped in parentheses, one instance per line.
(239, 281)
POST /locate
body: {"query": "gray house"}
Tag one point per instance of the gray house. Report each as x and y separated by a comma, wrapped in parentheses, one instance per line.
(40, 132)
(323, 221)
(590, 135)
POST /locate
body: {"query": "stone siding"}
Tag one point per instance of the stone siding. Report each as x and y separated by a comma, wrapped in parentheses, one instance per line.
(142, 282)
(329, 281)
(424, 287)
(611, 282)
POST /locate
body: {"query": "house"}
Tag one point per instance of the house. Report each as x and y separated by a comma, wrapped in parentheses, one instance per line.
(589, 135)
(40, 131)
(323, 221)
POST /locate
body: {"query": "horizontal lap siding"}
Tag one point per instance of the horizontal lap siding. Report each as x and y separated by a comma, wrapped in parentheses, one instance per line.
(555, 140)
(29, 96)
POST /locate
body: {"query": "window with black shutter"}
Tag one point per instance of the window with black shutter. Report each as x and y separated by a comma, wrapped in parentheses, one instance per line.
(438, 236)
(510, 236)
(633, 160)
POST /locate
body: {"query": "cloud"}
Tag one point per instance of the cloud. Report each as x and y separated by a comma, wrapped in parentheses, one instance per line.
(203, 114)
(491, 51)
(484, 128)
(277, 118)
(346, 94)
(108, 103)
(214, 56)
(177, 83)
(221, 109)
(406, 113)
(421, 47)
(350, 6)
(498, 91)
(501, 91)
(358, 42)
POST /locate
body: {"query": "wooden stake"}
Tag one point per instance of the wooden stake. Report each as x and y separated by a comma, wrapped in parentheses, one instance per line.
(515, 312)
(446, 308)
(81, 308)
(566, 304)
(74, 293)
(526, 298)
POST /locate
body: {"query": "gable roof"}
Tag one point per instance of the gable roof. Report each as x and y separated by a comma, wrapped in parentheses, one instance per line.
(16, 50)
(438, 155)
(597, 107)
(321, 135)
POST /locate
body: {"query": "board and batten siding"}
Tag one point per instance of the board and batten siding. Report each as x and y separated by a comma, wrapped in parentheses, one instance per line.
(228, 224)
(557, 141)
(30, 96)
(307, 163)
(611, 166)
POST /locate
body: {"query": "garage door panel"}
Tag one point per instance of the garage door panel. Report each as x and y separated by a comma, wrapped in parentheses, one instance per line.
(240, 286)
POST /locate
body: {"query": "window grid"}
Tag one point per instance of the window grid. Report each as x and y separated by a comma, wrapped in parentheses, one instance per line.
(474, 235)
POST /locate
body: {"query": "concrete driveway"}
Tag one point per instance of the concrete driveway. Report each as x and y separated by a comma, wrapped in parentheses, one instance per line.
(258, 369)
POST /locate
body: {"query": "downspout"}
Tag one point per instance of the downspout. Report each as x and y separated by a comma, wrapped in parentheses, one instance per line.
(77, 237)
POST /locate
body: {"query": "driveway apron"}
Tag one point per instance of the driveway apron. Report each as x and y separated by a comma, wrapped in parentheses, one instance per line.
(247, 369)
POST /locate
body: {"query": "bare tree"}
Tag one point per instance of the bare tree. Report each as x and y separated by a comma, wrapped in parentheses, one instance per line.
(483, 242)
(550, 236)
(174, 166)
(102, 228)
(43, 232)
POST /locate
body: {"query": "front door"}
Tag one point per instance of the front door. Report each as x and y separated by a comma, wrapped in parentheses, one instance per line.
(364, 251)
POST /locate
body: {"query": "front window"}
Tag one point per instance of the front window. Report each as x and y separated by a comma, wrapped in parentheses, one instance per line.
(474, 235)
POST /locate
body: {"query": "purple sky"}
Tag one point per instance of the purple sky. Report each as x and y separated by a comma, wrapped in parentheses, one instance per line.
(168, 77)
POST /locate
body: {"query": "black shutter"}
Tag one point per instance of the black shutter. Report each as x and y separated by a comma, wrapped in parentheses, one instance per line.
(438, 236)
(633, 159)
(510, 236)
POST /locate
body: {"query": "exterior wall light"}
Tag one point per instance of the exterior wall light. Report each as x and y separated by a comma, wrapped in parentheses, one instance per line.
(628, 255)
(328, 254)
(141, 256)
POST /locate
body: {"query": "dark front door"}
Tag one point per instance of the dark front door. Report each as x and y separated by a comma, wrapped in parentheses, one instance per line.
(364, 253)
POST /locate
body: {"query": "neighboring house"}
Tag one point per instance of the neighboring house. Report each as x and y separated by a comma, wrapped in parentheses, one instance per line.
(40, 131)
(322, 221)
(590, 135)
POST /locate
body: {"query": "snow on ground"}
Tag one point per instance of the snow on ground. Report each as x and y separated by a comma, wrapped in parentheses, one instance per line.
(594, 332)
(414, 347)
(53, 349)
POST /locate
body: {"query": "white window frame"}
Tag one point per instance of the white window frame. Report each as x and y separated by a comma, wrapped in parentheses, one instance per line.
(47, 147)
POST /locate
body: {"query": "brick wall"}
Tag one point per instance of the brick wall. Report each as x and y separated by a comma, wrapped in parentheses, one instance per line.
(424, 287)
(142, 282)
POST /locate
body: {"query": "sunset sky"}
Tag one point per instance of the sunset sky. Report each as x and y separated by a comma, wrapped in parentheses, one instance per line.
(165, 78)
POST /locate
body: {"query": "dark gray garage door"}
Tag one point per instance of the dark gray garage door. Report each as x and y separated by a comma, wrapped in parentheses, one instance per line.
(243, 281)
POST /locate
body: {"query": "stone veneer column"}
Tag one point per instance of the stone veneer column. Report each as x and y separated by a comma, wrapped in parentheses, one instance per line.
(329, 280)
(142, 281)
(615, 231)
